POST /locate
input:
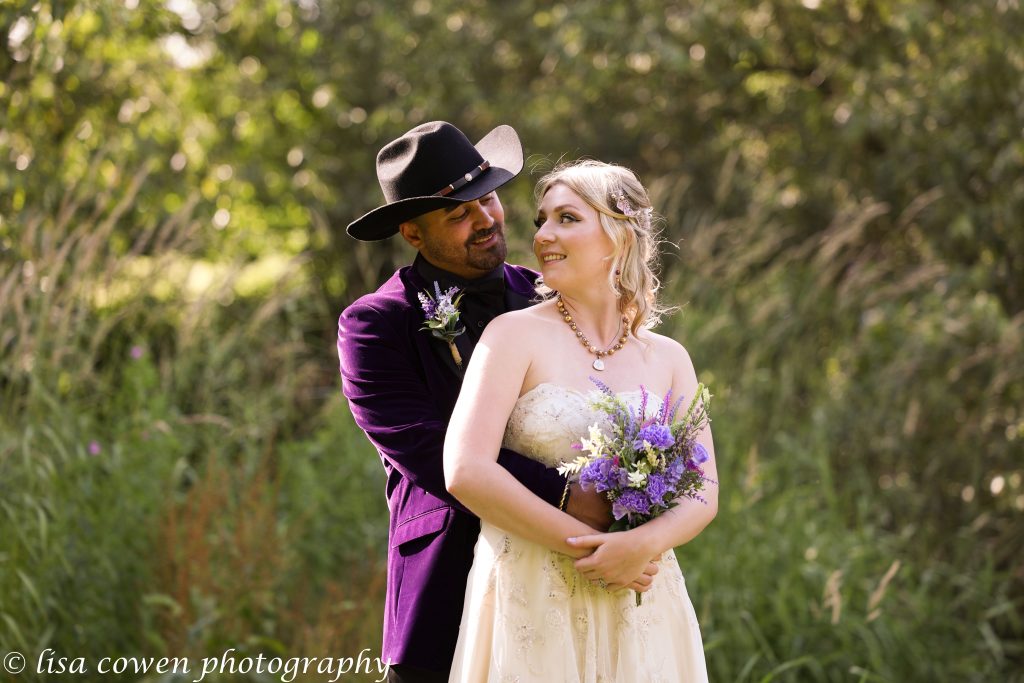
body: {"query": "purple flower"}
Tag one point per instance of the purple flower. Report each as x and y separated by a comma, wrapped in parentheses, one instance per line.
(631, 502)
(656, 434)
(603, 475)
(657, 487)
(675, 407)
(136, 352)
(700, 454)
(94, 448)
(662, 415)
(604, 388)
(591, 475)
(675, 470)
(619, 413)
(428, 304)
(631, 422)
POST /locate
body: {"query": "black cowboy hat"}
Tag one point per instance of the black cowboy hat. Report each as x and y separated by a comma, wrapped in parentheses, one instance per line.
(434, 166)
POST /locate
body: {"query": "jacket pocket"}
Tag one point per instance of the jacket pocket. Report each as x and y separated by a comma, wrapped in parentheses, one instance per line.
(421, 525)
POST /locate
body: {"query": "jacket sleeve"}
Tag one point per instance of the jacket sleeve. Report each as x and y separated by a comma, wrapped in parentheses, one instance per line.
(391, 402)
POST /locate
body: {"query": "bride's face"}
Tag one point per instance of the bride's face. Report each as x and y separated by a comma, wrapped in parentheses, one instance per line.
(570, 245)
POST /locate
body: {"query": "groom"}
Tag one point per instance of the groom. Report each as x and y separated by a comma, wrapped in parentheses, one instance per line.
(401, 382)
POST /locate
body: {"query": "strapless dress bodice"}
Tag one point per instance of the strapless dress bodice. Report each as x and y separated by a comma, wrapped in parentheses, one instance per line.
(549, 418)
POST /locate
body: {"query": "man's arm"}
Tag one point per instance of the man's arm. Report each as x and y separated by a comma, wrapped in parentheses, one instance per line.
(391, 403)
(590, 507)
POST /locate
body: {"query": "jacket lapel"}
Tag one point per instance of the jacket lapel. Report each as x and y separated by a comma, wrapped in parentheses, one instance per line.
(519, 284)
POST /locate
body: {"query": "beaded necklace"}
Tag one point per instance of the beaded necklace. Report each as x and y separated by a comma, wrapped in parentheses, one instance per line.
(598, 362)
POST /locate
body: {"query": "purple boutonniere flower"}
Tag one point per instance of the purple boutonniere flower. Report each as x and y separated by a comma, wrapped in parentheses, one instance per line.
(442, 316)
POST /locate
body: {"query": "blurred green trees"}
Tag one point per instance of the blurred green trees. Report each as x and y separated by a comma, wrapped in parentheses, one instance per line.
(272, 111)
(845, 186)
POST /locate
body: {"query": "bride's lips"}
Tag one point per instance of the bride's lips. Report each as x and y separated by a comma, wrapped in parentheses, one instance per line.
(550, 257)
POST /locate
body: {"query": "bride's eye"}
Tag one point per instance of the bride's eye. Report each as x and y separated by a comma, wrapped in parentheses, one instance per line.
(567, 218)
(537, 222)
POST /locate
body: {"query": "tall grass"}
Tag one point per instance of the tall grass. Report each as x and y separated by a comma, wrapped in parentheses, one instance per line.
(178, 474)
(869, 438)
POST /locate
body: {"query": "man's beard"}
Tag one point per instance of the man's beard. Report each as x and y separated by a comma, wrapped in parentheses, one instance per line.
(491, 257)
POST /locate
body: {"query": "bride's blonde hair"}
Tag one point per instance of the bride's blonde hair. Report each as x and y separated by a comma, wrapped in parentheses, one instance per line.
(626, 215)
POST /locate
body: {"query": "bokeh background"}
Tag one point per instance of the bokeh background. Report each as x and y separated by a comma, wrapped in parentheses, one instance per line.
(842, 188)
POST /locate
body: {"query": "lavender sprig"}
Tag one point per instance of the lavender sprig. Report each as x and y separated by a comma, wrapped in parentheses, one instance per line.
(442, 316)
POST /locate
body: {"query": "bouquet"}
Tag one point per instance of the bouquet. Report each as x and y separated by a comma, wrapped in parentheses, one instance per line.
(643, 463)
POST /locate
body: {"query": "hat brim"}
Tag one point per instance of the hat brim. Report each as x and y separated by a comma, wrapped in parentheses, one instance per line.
(501, 148)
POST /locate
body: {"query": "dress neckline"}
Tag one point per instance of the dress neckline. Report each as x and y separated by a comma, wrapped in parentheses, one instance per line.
(578, 392)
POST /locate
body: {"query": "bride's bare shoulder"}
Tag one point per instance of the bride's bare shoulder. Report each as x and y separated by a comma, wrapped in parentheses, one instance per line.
(669, 349)
(526, 318)
(522, 325)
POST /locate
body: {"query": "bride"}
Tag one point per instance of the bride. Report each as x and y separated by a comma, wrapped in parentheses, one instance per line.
(546, 598)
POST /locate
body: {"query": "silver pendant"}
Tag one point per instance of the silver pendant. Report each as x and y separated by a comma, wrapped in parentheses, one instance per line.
(599, 364)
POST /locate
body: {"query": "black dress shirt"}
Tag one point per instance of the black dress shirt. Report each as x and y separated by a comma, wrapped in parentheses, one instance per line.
(483, 300)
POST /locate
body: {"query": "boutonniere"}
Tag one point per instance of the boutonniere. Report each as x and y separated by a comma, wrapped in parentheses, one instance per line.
(443, 317)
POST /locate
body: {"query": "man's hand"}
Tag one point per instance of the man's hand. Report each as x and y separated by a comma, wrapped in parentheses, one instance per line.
(618, 560)
(590, 507)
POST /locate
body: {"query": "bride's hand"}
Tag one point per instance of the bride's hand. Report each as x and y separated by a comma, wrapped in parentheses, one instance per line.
(617, 559)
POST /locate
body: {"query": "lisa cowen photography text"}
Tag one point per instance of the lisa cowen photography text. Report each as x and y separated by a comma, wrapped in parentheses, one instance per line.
(51, 662)
(643, 462)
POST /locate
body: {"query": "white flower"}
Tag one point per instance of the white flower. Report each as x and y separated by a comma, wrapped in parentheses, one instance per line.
(445, 309)
(637, 479)
(574, 466)
(595, 443)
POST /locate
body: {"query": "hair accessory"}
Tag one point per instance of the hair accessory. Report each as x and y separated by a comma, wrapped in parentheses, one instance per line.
(643, 216)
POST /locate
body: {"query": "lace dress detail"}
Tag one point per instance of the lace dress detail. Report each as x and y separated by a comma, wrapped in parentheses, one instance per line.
(530, 616)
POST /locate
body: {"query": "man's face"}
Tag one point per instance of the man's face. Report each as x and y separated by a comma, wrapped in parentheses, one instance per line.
(468, 240)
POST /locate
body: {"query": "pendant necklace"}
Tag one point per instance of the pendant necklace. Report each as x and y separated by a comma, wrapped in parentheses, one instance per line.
(598, 362)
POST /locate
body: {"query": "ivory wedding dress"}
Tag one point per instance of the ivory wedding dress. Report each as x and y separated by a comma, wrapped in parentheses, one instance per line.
(530, 616)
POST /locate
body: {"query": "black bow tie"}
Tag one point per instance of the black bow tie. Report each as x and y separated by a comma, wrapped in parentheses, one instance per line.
(485, 287)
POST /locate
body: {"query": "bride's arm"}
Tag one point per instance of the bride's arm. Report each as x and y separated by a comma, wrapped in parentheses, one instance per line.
(683, 523)
(490, 388)
(618, 556)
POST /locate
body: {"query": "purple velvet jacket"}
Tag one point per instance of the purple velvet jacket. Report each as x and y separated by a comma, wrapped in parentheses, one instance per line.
(401, 386)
